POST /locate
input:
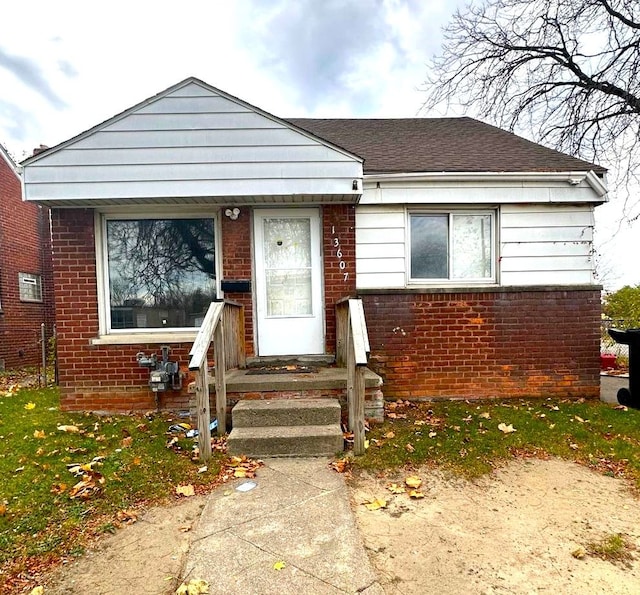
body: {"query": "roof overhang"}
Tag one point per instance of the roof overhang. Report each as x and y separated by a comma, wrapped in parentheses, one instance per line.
(572, 178)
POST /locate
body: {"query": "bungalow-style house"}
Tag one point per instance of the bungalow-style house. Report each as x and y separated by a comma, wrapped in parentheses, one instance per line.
(25, 259)
(470, 248)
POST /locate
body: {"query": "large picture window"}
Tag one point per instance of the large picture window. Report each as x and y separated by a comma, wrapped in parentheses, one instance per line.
(452, 246)
(160, 272)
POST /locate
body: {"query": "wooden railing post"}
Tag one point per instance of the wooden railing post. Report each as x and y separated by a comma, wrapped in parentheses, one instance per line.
(220, 380)
(202, 411)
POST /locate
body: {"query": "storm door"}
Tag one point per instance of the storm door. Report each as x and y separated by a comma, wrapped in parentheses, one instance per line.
(288, 282)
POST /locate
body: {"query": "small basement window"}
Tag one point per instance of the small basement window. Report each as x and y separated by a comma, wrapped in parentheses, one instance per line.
(454, 246)
(30, 287)
(160, 273)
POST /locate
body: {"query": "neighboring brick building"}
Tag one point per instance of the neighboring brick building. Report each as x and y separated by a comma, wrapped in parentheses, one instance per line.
(470, 247)
(25, 271)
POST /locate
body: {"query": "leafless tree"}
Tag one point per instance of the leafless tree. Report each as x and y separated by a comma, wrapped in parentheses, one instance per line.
(564, 72)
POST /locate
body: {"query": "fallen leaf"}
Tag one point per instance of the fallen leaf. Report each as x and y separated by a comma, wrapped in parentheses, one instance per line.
(185, 490)
(579, 554)
(29, 406)
(127, 442)
(366, 444)
(413, 481)
(409, 447)
(573, 446)
(485, 415)
(37, 591)
(415, 494)
(69, 429)
(240, 473)
(58, 488)
(193, 587)
(389, 435)
(39, 434)
(19, 470)
(279, 565)
(203, 469)
(394, 488)
(578, 419)
(375, 504)
(136, 461)
(419, 422)
(506, 429)
(3, 509)
(341, 465)
(128, 517)
(432, 434)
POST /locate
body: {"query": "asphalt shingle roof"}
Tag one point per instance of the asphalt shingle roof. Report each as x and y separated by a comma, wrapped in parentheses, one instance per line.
(406, 145)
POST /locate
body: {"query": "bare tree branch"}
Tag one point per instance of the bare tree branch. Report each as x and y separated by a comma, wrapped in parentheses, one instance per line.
(566, 72)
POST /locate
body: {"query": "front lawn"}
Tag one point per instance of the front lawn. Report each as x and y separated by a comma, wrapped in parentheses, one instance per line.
(67, 478)
(472, 438)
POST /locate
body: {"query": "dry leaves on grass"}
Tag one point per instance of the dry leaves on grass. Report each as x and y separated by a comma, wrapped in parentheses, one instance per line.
(342, 465)
(185, 490)
(506, 429)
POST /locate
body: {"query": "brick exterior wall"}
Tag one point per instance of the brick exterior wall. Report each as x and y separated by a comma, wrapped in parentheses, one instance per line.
(106, 377)
(24, 248)
(339, 261)
(502, 343)
(507, 343)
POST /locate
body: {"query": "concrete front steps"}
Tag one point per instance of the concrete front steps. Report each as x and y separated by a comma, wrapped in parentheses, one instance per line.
(286, 428)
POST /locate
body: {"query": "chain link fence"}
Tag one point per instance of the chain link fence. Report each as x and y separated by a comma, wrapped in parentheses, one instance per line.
(607, 344)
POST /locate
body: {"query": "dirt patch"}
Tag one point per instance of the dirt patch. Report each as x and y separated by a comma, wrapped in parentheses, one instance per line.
(512, 532)
(146, 557)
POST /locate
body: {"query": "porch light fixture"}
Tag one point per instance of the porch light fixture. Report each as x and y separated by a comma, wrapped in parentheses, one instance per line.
(232, 213)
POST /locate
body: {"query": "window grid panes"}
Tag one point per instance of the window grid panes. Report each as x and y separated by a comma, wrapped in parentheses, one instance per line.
(160, 272)
(451, 246)
(30, 287)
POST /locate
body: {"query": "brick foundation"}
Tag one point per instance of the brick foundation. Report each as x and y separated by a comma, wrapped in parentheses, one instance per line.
(503, 343)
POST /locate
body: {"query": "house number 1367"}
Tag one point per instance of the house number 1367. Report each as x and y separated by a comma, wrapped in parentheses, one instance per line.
(336, 244)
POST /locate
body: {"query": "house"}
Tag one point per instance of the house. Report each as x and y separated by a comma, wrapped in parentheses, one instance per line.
(471, 248)
(25, 261)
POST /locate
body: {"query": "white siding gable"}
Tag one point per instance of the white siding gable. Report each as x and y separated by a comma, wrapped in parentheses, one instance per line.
(192, 142)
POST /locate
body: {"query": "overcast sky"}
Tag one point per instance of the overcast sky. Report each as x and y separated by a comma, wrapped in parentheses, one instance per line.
(68, 65)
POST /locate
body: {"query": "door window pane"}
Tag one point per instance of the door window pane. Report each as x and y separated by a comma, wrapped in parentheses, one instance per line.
(429, 246)
(161, 272)
(287, 256)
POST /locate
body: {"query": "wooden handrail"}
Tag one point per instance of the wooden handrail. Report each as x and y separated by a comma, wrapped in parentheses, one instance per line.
(353, 350)
(228, 352)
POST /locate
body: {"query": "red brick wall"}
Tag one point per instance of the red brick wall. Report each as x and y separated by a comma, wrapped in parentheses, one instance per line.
(480, 345)
(237, 259)
(24, 248)
(338, 246)
(96, 377)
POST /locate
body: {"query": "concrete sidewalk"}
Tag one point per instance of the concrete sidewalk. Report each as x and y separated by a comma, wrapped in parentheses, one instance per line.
(609, 386)
(299, 514)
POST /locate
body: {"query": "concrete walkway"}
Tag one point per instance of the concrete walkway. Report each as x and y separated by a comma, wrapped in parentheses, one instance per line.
(609, 386)
(298, 514)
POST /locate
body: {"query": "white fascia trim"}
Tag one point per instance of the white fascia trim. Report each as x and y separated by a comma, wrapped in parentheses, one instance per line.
(573, 178)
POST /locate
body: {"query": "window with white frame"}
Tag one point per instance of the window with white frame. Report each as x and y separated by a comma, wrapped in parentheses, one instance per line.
(452, 246)
(159, 273)
(30, 287)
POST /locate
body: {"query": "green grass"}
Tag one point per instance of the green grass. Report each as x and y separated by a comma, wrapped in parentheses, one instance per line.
(39, 521)
(614, 547)
(464, 436)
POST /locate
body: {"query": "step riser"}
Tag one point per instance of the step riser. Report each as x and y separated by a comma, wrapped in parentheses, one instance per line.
(309, 446)
(249, 414)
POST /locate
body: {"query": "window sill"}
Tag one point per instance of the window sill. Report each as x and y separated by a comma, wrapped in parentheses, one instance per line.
(137, 338)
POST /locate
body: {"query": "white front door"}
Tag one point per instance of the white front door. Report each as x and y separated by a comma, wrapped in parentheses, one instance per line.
(288, 282)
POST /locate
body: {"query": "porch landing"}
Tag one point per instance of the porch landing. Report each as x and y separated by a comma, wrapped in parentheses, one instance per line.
(321, 383)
